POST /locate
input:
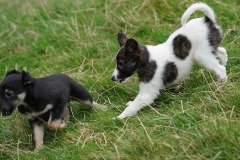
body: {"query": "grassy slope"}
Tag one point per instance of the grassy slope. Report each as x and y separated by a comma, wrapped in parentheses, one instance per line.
(197, 119)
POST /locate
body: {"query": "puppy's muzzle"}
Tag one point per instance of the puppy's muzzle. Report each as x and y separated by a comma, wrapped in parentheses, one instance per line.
(5, 110)
(6, 113)
(115, 79)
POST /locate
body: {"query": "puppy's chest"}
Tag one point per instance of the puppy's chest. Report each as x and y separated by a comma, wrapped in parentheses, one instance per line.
(31, 112)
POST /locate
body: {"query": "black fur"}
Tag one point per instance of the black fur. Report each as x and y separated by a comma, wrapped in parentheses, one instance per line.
(214, 34)
(181, 46)
(55, 90)
(146, 69)
(170, 73)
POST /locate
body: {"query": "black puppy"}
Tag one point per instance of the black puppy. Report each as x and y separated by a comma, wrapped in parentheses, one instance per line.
(42, 100)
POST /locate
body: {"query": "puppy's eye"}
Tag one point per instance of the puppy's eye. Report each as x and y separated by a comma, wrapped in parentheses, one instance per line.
(9, 94)
(121, 64)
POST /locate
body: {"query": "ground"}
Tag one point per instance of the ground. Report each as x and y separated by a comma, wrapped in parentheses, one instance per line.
(196, 119)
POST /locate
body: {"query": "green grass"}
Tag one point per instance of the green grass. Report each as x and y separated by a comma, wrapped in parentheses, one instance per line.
(196, 119)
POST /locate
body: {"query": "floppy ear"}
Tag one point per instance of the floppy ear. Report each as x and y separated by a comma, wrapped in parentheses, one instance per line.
(26, 79)
(13, 72)
(131, 45)
(122, 38)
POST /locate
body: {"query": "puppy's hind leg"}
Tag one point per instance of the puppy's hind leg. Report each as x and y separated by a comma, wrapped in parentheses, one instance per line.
(66, 114)
(56, 119)
(210, 61)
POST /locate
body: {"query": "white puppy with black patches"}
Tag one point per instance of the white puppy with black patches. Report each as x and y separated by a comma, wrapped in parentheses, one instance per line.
(170, 62)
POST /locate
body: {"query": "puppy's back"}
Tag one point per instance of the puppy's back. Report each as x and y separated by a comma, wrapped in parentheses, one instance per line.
(77, 91)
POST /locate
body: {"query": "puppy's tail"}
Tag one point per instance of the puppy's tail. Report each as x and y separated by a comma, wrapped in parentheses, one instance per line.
(198, 7)
(79, 93)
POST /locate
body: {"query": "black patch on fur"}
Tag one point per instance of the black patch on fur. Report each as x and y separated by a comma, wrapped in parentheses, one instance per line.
(146, 69)
(214, 34)
(170, 73)
(181, 46)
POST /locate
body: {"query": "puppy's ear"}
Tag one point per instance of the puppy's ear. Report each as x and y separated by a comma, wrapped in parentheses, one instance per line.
(26, 79)
(13, 72)
(131, 45)
(122, 38)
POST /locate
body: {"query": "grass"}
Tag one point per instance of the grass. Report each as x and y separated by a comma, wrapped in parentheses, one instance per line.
(196, 119)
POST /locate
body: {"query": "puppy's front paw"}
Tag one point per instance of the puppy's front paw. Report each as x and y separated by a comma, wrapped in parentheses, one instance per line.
(129, 103)
(38, 146)
(114, 118)
(121, 116)
(222, 80)
(124, 115)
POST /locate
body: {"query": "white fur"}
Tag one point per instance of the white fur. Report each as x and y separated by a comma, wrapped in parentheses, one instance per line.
(201, 7)
(197, 33)
(38, 131)
(20, 100)
(115, 73)
(21, 96)
(35, 114)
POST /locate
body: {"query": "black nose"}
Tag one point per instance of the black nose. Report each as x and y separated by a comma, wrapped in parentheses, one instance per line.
(5, 113)
(113, 78)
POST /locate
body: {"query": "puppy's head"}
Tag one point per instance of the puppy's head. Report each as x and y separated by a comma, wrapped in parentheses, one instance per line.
(13, 90)
(127, 58)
